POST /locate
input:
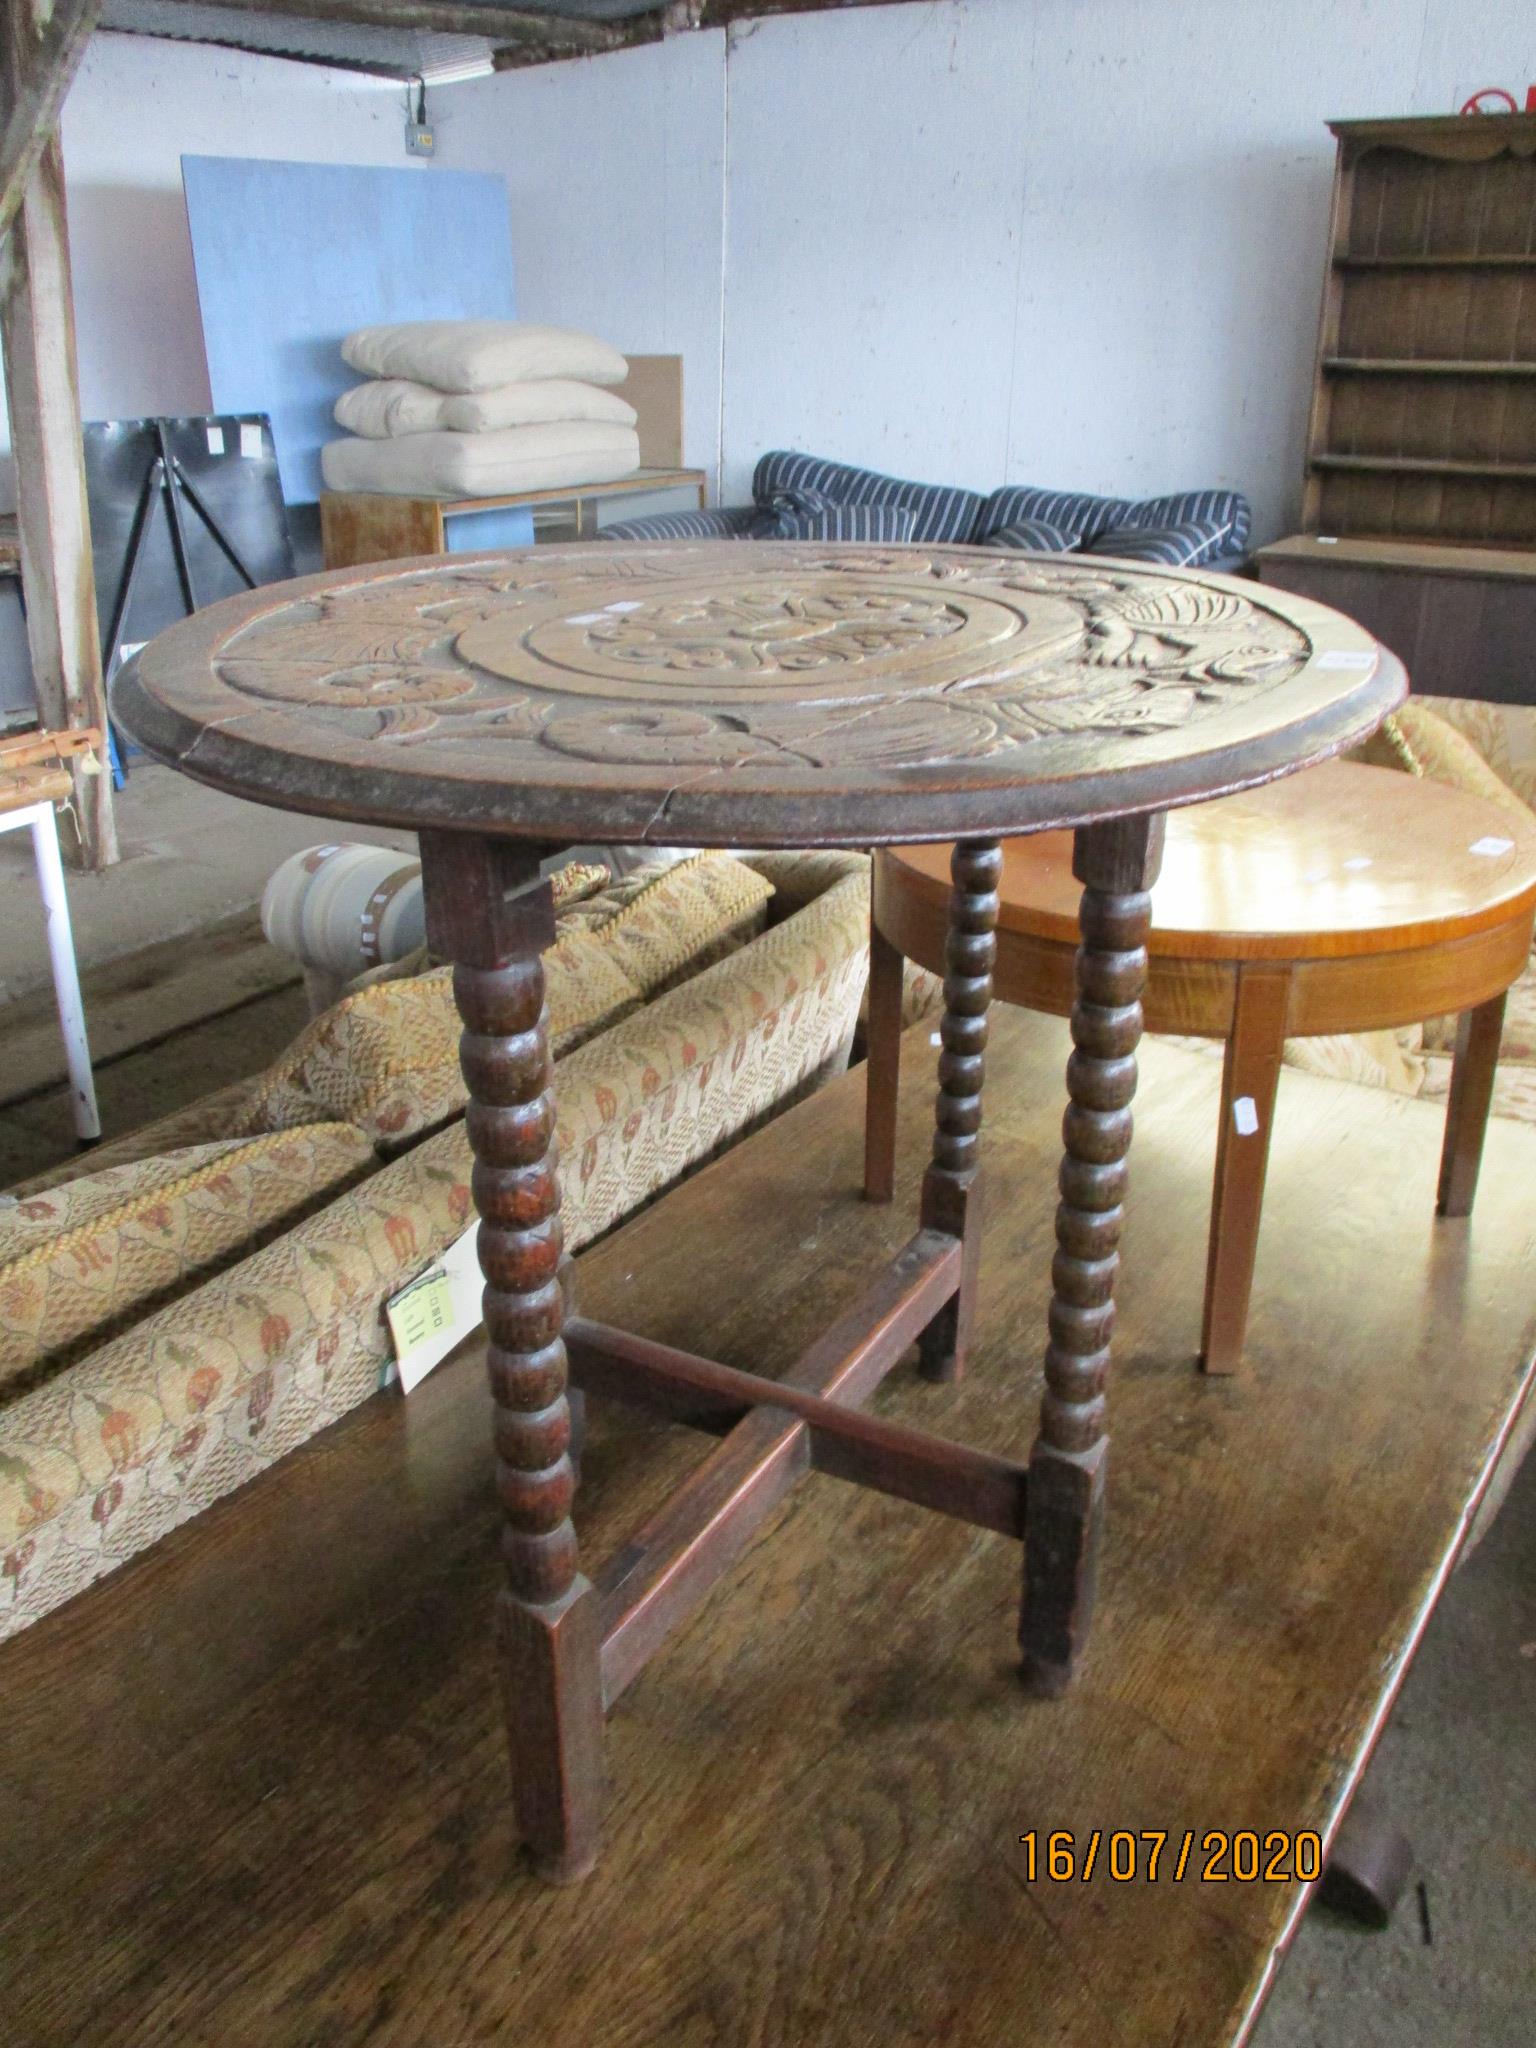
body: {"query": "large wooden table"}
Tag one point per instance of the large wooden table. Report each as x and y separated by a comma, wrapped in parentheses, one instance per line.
(244, 1780)
(762, 694)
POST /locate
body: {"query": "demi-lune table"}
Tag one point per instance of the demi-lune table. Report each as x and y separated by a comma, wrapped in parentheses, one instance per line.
(1345, 899)
(762, 694)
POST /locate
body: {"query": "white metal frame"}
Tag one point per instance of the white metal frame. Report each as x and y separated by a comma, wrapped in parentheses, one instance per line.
(61, 952)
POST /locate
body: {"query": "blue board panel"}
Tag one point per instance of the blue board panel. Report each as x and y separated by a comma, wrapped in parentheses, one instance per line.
(290, 257)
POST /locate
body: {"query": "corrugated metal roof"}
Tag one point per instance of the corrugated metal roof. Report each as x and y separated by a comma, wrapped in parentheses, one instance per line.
(389, 52)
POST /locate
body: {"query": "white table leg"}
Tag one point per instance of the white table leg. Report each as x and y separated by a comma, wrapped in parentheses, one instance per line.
(61, 952)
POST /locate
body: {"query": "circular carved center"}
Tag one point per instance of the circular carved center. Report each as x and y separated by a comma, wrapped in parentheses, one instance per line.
(753, 639)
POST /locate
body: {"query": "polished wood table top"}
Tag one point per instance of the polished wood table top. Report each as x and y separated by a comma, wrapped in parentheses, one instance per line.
(752, 693)
(1341, 860)
(1343, 899)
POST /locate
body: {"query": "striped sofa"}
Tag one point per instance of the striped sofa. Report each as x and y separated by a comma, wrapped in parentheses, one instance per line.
(804, 497)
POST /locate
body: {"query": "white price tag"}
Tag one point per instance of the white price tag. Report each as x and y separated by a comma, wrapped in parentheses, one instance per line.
(250, 441)
(1245, 1116)
(437, 1311)
(215, 440)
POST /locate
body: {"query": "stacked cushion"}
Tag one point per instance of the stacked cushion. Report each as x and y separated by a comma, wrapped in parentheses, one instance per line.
(480, 408)
(480, 355)
(392, 406)
(542, 458)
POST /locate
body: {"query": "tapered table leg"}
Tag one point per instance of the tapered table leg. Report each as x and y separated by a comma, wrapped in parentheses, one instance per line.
(1250, 1078)
(1478, 1033)
(951, 1199)
(490, 913)
(882, 1066)
(1117, 864)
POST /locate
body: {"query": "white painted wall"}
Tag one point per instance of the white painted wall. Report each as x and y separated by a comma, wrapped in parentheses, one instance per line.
(137, 104)
(1073, 242)
(1077, 242)
(615, 170)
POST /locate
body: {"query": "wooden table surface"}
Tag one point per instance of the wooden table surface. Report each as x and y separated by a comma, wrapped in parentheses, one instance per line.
(1337, 861)
(252, 1786)
(752, 693)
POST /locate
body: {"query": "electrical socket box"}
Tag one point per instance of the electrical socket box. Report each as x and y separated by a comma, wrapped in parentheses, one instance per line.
(420, 138)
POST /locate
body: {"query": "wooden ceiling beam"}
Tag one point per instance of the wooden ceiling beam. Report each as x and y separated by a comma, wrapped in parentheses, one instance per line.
(513, 27)
(722, 13)
(41, 46)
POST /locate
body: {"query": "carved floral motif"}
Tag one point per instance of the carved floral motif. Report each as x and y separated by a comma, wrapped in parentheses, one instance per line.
(857, 657)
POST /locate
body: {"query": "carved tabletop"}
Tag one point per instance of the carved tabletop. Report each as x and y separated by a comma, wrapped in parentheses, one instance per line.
(758, 694)
(753, 693)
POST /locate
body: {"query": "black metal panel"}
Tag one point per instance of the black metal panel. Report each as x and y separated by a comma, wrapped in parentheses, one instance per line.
(240, 492)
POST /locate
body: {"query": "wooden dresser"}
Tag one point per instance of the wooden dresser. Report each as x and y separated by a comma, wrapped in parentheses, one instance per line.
(1420, 503)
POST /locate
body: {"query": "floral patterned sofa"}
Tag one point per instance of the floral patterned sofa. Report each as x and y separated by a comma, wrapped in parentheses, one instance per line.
(182, 1307)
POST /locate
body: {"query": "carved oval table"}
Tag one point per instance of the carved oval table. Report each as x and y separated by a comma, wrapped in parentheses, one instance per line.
(762, 694)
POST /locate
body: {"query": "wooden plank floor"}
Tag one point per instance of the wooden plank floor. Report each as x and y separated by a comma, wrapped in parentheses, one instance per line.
(252, 1786)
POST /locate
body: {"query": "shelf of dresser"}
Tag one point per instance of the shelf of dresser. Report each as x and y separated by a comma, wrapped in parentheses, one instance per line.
(1423, 366)
(1469, 260)
(1426, 465)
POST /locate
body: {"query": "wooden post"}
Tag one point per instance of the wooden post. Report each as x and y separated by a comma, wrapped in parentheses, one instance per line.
(37, 326)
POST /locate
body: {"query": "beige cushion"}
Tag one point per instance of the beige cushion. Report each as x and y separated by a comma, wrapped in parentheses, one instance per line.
(82, 1261)
(557, 455)
(478, 355)
(390, 407)
(661, 926)
(387, 1058)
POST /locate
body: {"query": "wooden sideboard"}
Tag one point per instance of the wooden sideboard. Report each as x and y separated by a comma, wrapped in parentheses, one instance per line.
(1462, 620)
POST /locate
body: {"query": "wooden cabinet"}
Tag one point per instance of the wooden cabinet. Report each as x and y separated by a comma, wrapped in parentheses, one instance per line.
(1424, 412)
(1420, 502)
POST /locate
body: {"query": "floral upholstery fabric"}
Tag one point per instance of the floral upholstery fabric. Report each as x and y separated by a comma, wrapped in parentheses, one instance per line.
(387, 1057)
(81, 1261)
(151, 1427)
(1503, 736)
(1419, 739)
(665, 920)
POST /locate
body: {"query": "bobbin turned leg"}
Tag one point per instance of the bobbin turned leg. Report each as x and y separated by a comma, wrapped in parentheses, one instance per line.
(1117, 863)
(490, 913)
(951, 1200)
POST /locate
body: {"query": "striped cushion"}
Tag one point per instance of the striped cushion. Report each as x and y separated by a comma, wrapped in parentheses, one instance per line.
(1220, 516)
(940, 511)
(1223, 516)
(1179, 546)
(730, 522)
(1036, 535)
(1075, 512)
(770, 523)
(849, 522)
